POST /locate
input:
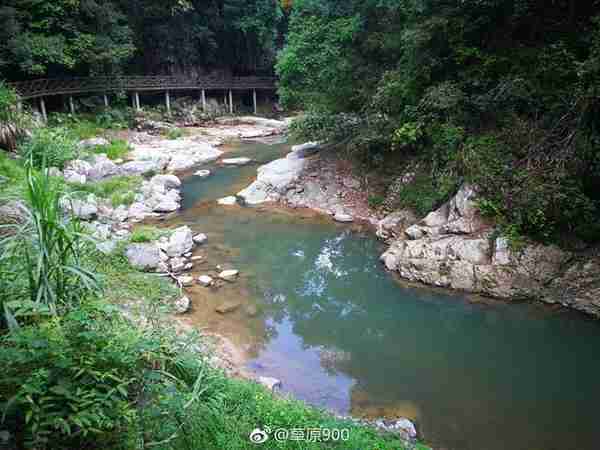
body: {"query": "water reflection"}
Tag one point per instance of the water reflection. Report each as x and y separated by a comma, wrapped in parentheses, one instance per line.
(318, 311)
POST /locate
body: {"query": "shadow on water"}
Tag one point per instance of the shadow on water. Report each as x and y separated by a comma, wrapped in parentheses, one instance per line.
(318, 311)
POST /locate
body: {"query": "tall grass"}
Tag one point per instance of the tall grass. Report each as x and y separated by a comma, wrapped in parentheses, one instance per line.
(46, 249)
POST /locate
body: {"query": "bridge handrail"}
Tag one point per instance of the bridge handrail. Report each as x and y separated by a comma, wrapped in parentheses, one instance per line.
(102, 84)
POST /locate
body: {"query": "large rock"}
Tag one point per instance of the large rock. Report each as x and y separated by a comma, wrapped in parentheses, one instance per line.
(143, 256)
(394, 224)
(84, 209)
(101, 167)
(166, 181)
(455, 247)
(180, 242)
(140, 167)
(304, 150)
(273, 181)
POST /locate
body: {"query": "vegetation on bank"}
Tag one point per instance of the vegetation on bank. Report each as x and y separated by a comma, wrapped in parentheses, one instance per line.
(504, 94)
(77, 373)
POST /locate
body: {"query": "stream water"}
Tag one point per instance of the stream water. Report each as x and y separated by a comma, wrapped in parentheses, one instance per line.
(319, 312)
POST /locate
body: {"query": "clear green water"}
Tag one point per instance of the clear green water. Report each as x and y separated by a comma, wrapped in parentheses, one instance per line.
(342, 333)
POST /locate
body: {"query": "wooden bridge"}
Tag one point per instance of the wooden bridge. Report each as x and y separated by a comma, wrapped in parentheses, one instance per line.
(38, 89)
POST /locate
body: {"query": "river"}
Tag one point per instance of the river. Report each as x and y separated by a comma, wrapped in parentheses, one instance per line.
(319, 312)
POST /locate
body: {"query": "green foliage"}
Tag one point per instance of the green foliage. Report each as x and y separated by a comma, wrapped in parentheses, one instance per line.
(145, 234)
(313, 68)
(375, 201)
(437, 80)
(425, 193)
(120, 189)
(46, 249)
(37, 35)
(83, 380)
(117, 149)
(13, 121)
(175, 133)
(48, 147)
(407, 136)
(123, 284)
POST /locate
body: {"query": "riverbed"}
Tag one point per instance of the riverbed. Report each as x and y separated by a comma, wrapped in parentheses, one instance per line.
(318, 311)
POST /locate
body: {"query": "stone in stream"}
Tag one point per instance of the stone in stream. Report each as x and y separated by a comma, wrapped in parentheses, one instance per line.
(143, 256)
(197, 258)
(236, 161)
(228, 306)
(202, 173)
(182, 305)
(229, 275)
(227, 201)
(200, 238)
(205, 280)
(343, 217)
(270, 382)
(180, 242)
(186, 281)
(304, 150)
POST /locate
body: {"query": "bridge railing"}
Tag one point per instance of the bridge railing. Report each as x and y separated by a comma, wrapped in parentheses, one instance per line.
(48, 87)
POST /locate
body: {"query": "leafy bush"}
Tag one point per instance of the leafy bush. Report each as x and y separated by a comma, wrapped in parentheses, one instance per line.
(175, 133)
(117, 149)
(84, 380)
(120, 189)
(48, 147)
(145, 234)
(46, 250)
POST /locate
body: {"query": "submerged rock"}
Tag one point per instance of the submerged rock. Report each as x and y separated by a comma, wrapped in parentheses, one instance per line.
(205, 280)
(236, 161)
(228, 306)
(227, 201)
(229, 275)
(202, 173)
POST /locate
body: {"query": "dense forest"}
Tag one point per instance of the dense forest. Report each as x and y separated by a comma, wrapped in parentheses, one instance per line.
(89, 37)
(502, 93)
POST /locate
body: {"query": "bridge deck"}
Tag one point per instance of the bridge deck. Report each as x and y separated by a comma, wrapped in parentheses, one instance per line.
(70, 86)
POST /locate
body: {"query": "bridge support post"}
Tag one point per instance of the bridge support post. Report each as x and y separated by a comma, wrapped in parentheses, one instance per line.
(105, 101)
(230, 102)
(203, 100)
(71, 105)
(43, 109)
(254, 102)
(19, 106)
(137, 101)
(168, 101)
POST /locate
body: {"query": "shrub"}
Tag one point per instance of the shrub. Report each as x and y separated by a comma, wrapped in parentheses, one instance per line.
(46, 249)
(117, 149)
(145, 234)
(89, 380)
(175, 133)
(48, 147)
(120, 189)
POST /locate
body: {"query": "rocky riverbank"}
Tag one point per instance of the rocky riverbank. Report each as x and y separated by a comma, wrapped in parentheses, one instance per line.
(451, 247)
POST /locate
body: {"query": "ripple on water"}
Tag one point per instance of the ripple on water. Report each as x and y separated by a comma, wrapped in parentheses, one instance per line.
(342, 333)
